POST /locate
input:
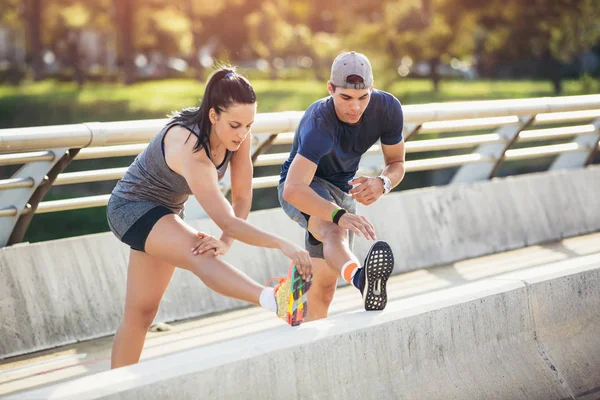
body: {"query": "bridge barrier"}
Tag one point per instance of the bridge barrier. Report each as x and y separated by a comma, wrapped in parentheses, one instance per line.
(63, 291)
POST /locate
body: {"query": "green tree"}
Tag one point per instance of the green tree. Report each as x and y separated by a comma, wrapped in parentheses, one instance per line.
(33, 14)
(324, 47)
(276, 33)
(573, 30)
(434, 31)
(12, 19)
(63, 25)
(550, 31)
(198, 12)
(270, 32)
(11, 15)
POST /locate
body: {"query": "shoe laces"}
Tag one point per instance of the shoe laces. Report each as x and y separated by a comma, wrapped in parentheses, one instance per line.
(277, 278)
(281, 279)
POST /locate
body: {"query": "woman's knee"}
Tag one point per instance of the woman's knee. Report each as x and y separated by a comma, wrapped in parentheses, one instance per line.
(142, 315)
(201, 264)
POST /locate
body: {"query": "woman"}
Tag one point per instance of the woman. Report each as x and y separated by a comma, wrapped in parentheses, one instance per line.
(189, 156)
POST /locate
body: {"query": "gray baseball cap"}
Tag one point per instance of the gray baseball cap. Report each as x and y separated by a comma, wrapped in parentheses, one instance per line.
(351, 63)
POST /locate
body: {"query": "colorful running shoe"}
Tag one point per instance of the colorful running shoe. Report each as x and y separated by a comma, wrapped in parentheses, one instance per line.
(291, 297)
(377, 269)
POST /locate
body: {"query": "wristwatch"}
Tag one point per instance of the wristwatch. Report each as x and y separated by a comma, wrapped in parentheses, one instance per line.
(387, 184)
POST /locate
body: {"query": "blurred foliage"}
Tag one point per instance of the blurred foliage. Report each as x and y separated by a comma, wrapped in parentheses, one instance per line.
(10, 13)
(286, 48)
(307, 34)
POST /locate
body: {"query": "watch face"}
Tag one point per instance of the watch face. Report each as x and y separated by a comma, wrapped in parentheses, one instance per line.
(387, 184)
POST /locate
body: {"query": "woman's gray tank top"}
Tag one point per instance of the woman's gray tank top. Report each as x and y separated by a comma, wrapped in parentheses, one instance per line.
(149, 178)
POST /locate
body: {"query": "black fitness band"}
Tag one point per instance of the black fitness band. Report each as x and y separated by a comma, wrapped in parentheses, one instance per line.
(338, 215)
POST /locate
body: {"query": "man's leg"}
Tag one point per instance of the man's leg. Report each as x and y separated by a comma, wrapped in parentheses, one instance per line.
(324, 283)
(325, 270)
(370, 280)
(335, 250)
(328, 243)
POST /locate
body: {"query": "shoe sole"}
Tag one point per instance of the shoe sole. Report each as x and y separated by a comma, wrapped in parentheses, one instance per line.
(300, 288)
(379, 265)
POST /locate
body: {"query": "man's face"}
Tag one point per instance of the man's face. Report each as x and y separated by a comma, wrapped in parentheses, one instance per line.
(350, 104)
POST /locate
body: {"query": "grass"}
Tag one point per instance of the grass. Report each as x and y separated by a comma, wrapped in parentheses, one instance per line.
(49, 103)
(53, 103)
(414, 92)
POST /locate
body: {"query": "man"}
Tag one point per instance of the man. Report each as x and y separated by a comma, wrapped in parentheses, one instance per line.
(316, 185)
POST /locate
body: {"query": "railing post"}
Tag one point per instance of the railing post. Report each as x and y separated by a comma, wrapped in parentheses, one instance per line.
(579, 159)
(41, 173)
(486, 170)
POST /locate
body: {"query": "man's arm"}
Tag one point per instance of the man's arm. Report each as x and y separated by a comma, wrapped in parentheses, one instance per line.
(297, 190)
(394, 157)
(392, 144)
(370, 189)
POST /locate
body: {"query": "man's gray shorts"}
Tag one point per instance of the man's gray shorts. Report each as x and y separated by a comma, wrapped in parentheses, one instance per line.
(329, 192)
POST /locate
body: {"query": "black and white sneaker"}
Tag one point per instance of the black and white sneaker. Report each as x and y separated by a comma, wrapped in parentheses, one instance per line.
(376, 270)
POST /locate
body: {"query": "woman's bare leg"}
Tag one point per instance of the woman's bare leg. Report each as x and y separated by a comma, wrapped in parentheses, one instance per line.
(169, 244)
(147, 280)
(171, 240)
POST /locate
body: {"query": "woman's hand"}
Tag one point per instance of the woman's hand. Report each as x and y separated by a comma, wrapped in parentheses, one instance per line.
(210, 245)
(299, 256)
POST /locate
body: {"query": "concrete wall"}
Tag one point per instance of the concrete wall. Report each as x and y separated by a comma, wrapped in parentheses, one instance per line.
(59, 292)
(522, 335)
(440, 225)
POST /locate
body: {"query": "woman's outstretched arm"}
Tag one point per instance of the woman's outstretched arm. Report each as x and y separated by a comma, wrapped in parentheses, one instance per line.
(241, 172)
(201, 176)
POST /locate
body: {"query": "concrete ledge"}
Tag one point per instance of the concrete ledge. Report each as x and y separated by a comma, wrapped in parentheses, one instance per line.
(532, 334)
(59, 292)
(64, 291)
(439, 225)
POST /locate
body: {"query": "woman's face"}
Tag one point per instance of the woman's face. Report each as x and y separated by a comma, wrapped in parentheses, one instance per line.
(233, 124)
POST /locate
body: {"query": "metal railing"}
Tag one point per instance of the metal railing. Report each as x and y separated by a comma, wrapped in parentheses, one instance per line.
(44, 152)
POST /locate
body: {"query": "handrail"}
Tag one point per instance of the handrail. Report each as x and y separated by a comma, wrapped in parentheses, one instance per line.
(514, 121)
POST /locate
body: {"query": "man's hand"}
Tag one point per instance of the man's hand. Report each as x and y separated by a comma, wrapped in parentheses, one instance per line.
(358, 224)
(210, 245)
(368, 190)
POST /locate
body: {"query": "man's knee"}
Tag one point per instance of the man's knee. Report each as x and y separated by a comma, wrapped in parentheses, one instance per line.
(324, 293)
(334, 233)
(321, 231)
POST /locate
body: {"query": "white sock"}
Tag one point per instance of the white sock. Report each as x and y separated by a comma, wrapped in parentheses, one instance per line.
(267, 299)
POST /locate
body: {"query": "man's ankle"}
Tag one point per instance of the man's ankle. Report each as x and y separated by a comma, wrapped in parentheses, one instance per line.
(314, 316)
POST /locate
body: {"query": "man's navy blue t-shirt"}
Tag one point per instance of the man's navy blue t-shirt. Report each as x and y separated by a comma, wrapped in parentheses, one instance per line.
(336, 147)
